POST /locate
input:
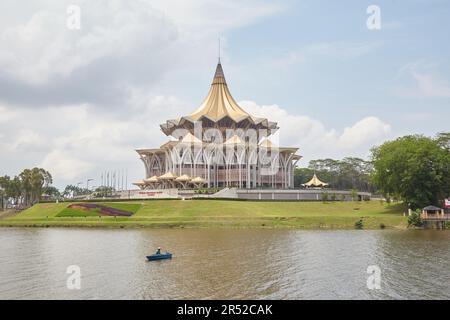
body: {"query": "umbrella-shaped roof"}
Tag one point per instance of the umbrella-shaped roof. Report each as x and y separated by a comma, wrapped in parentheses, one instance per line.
(184, 177)
(234, 140)
(198, 180)
(168, 176)
(152, 179)
(315, 182)
(218, 105)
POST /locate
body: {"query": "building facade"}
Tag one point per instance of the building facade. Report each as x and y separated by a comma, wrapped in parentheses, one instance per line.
(219, 145)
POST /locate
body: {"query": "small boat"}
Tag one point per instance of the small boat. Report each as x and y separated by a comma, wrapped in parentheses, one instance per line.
(159, 256)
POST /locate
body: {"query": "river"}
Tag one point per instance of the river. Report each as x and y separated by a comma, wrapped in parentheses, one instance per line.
(224, 264)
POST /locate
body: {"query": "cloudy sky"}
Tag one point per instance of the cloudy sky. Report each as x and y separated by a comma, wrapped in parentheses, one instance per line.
(79, 101)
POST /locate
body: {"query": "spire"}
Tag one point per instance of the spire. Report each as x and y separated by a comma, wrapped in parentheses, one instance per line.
(219, 77)
(219, 102)
(219, 50)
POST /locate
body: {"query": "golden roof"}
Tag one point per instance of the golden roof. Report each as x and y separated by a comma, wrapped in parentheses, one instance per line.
(198, 180)
(139, 183)
(234, 140)
(152, 179)
(189, 138)
(315, 182)
(184, 177)
(168, 176)
(266, 143)
(218, 104)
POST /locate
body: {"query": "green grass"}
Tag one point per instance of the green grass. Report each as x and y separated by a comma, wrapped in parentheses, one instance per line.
(73, 212)
(221, 213)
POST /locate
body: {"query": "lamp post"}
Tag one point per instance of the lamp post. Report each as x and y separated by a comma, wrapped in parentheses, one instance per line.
(87, 183)
(78, 186)
(1, 199)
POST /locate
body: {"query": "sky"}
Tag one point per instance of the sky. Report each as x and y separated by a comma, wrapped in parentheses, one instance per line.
(79, 101)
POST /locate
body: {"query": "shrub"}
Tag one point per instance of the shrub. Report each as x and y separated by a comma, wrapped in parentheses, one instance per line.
(359, 224)
(354, 195)
(382, 226)
(333, 197)
(414, 220)
(324, 196)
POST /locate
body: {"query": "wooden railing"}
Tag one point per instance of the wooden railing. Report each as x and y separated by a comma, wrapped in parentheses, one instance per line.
(435, 217)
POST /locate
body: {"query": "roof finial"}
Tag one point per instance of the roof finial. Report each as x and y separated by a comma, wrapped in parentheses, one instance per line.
(219, 49)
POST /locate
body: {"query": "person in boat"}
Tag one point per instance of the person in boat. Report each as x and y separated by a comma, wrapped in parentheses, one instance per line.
(158, 251)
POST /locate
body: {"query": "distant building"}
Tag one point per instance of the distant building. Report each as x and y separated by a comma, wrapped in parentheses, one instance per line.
(219, 145)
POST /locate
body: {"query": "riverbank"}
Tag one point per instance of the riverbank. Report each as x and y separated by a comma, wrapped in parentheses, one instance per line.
(224, 214)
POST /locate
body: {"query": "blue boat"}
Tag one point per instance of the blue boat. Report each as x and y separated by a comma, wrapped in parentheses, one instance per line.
(159, 256)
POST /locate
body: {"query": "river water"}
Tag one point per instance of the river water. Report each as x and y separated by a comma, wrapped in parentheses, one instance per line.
(224, 264)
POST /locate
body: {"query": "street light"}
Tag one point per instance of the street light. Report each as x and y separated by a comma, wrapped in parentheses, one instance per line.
(87, 184)
(78, 186)
(1, 198)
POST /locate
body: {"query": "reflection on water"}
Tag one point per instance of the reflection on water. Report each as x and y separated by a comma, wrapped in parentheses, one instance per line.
(224, 264)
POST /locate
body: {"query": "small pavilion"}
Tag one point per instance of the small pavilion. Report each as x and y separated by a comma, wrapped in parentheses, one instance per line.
(432, 212)
(315, 182)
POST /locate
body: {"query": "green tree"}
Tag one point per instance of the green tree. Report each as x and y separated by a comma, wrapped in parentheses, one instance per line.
(348, 173)
(414, 219)
(26, 188)
(33, 182)
(52, 192)
(414, 169)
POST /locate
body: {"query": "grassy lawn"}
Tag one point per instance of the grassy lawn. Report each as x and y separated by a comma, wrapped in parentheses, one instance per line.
(222, 213)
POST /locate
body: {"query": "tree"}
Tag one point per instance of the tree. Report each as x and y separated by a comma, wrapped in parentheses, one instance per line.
(52, 192)
(33, 182)
(26, 188)
(414, 219)
(414, 169)
(348, 173)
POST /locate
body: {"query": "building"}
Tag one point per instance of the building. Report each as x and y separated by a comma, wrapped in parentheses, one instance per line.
(219, 145)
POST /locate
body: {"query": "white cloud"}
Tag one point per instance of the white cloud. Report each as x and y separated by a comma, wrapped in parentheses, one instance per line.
(422, 81)
(79, 141)
(43, 47)
(6, 114)
(213, 16)
(315, 140)
(363, 132)
(64, 166)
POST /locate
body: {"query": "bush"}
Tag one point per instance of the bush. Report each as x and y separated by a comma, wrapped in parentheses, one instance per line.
(382, 226)
(359, 224)
(414, 220)
(447, 224)
(324, 196)
(354, 195)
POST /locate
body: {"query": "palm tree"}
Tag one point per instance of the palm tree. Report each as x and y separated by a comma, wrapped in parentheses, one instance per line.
(33, 182)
